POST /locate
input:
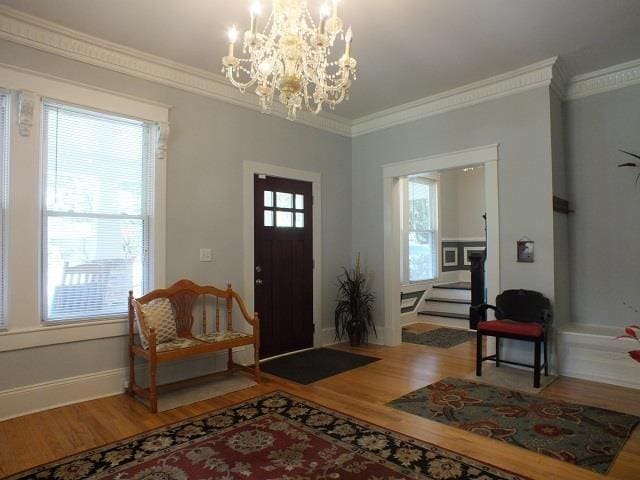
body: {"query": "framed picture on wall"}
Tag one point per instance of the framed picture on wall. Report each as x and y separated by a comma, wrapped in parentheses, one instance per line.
(468, 250)
(450, 256)
(525, 251)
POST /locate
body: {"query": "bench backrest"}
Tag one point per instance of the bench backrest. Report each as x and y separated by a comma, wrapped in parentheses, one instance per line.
(183, 296)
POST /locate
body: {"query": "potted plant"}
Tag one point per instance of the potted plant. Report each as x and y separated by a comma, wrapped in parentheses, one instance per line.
(354, 311)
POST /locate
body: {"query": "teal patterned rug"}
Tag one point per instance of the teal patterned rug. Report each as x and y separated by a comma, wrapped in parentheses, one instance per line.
(439, 337)
(585, 436)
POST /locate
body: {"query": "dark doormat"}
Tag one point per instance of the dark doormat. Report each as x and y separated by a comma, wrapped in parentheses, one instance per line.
(440, 337)
(585, 436)
(313, 365)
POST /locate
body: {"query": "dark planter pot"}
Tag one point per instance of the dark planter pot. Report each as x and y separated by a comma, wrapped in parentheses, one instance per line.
(355, 338)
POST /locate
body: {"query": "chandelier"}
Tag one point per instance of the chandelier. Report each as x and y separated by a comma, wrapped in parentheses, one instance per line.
(290, 57)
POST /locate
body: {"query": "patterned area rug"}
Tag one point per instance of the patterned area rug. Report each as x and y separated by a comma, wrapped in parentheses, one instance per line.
(585, 436)
(313, 365)
(440, 337)
(273, 437)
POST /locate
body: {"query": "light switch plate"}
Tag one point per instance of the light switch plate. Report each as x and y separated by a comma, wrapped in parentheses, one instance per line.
(205, 255)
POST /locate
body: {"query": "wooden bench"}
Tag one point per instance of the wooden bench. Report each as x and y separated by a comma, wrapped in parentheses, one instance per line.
(184, 295)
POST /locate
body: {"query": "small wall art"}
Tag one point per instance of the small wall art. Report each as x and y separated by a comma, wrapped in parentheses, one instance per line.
(525, 250)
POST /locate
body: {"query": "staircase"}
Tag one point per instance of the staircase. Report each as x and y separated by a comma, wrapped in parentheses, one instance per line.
(448, 304)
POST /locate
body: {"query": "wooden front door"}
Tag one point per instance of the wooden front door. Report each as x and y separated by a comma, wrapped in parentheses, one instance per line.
(283, 252)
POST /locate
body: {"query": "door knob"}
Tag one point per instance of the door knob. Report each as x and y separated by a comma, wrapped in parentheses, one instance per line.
(258, 269)
(258, 281)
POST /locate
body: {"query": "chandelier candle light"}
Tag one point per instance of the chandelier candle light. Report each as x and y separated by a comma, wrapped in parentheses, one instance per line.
(291, 55)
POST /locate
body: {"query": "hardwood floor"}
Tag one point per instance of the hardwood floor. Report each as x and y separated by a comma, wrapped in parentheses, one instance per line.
(46, 436)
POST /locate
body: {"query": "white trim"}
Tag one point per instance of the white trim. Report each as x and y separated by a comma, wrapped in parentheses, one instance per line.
(54, 88)
(487, 155)
(57, 334)
(594, 354)
(443, 161)
(34, 32)
(463, 239)
(255, 168)
(25, 29)
(605, 80)
(521, 80)
(43, 396)
(24, 327)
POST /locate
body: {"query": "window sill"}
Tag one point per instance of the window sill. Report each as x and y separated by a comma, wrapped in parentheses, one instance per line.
(57, 334)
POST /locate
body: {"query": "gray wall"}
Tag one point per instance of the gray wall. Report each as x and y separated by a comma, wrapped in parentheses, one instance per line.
(208, 143)
(462, 203)
(605, 228)
(520, 124)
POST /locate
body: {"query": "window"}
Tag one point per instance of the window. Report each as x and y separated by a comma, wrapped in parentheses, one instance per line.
(288, 210)
(420, 232)
(4, 147)
(98, 191)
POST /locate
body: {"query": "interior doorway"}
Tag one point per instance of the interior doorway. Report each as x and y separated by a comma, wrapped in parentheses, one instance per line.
(395, 177)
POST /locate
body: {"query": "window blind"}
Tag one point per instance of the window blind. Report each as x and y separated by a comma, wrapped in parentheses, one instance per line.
(4, 148)
(98, 181)
(422, 229)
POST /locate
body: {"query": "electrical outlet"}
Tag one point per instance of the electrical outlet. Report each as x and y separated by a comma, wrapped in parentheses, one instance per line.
(205, 255)
(125, 385)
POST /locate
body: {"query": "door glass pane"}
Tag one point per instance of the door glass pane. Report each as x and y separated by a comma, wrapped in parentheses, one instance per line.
(299, 220)
(284, 219)
(268, 218)
(268, 198)
(284, 200)
(299, 202)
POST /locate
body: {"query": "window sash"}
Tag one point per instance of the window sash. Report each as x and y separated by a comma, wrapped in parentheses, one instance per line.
(432, 233)
(90, 276)
(4, 164)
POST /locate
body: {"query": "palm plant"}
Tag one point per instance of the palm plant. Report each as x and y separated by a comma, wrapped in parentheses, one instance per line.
(354, 311)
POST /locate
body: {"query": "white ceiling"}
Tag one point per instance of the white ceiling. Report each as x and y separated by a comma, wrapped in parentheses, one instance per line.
(406, 49)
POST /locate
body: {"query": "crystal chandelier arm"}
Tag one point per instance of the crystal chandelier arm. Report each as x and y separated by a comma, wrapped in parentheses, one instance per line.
(238, 84)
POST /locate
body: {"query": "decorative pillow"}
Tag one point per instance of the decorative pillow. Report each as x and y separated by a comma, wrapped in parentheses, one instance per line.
(159, 315)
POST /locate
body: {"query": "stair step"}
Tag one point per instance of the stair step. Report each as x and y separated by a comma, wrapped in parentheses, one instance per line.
(433, 313)
(454, 286)
(448, 300)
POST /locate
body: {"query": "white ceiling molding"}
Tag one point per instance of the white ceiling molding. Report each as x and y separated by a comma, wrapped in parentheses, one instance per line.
(605, 80)
(50, 37)
(517, 81)
(25, 29)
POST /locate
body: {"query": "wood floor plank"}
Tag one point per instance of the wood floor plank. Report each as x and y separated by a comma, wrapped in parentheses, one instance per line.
(47, 436)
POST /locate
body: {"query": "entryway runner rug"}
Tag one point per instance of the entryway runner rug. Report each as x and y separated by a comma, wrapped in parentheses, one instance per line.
(313, 365)
(439, 337)
(586, 436)
(277, 436)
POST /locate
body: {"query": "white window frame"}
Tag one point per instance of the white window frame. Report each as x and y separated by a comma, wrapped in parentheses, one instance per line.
(145, 217)
(24, 327)
(4, 187)
(432, 178)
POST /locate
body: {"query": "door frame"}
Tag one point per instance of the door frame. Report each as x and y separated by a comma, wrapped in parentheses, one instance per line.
(256, 168)
(487, 156)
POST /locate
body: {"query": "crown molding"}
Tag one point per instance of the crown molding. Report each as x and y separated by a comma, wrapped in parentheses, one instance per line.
(527, 78)
(605, 80)
(24, 29)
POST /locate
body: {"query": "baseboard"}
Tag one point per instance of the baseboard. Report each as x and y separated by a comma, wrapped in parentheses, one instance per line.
(597, 357)
(57, 393)
(328, 337)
